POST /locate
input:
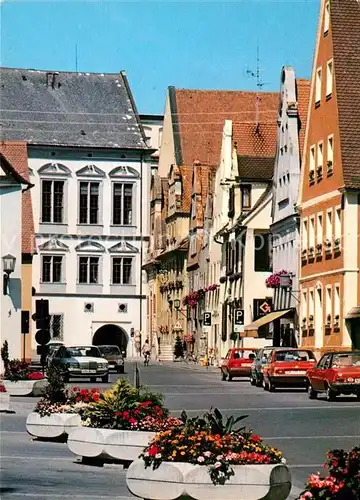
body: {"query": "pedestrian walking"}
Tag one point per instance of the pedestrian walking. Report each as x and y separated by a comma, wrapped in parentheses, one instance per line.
(146, 350)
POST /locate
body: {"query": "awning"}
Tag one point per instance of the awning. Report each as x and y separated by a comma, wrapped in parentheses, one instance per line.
(251, 330)
(354, 313)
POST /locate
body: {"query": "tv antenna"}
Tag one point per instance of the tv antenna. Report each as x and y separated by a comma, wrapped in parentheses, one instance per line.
(259, 84)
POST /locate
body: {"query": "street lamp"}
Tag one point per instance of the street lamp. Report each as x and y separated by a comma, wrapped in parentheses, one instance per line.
(177, 304)
(8, 268)
(285, 281)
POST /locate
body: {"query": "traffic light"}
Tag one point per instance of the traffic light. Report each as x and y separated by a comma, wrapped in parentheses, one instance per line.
(25, 322)
(42, 316)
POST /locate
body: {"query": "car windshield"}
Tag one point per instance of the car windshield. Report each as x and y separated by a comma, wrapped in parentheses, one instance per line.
(294, 356)
(82, 351)
(110, 350)
(344, 360)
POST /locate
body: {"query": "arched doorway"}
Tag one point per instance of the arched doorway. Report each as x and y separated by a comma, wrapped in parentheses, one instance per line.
(111, 335)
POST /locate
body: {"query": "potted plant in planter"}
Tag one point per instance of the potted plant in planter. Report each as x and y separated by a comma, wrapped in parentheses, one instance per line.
(58, 411)
(210, 458)
(120, 424)
(4, 399)
(19, 380)
(342, 481)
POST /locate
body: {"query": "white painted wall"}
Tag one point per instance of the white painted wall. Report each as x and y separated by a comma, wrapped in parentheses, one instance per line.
(10, 243)
(69, 298)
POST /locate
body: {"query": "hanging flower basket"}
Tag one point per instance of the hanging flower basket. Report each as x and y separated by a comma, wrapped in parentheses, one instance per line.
(273, 281)
(189, 338)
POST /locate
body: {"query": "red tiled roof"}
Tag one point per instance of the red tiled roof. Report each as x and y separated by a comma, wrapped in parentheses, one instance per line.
(186, 179)
(253, 140)
(199, 115)
(16, 154)
(345, 27)
(303, 96)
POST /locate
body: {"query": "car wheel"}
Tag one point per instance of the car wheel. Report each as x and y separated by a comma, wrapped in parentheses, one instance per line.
(105, 378)
(230, 378)
(272, 387)
(258, 382)
(223, 375)
(252, 380)
(121, 369)
(330, 394)
(311, 393)
(265, 385)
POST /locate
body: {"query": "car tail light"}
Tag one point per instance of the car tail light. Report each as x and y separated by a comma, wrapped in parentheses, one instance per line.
(350, 379)
(277, 371)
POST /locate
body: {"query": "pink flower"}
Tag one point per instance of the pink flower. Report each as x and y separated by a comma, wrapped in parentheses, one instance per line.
(217, 465)
(201, 459)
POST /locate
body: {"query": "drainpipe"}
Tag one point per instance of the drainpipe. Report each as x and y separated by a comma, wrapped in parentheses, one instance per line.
(141, 245)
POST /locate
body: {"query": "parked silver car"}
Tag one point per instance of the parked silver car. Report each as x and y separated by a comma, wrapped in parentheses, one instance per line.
(81, 362)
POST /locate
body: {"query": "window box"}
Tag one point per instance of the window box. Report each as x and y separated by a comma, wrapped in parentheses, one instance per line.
(319, 249)
(223, 279)
(311, 252)
(329, 168)
(328, 320)
(337, 245)
(311, 322)
(319, 172)
(304, 254)
(311, 176)
(336, 320)
(328, 247)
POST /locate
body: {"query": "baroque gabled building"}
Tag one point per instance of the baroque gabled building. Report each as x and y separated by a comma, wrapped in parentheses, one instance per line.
(330, 185)
(285, 227)
(90, 166)
(242, 220)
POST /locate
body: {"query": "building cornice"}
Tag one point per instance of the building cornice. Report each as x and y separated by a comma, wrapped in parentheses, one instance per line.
(328, 273)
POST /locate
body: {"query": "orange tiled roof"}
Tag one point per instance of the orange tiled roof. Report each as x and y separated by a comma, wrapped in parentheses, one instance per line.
(186, 173)
(303, 96)
(16, 154)
(199, 115)
(345, 27)
(255, 141)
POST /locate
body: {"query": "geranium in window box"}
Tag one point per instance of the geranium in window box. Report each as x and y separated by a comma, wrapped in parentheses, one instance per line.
(319, 172)
(311, 176)
(311, 252)
(329, 167)
(121, 424)
(273, 281)
(337, 244)
(319, 249)
(328, 246)
(209, 458)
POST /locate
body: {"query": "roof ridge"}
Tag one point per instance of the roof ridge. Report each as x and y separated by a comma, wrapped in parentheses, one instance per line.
(62, 72)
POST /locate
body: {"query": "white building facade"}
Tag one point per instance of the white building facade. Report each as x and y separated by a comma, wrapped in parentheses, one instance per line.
(90, 164)
(91, 224)
(11, 186)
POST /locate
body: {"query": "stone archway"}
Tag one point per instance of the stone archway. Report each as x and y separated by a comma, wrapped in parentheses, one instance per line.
(111, 335)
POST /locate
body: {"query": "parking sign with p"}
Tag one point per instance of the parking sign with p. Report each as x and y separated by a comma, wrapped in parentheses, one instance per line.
(207, 318)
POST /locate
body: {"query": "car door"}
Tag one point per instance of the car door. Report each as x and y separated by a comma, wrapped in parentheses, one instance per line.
(325, 373)
(317, 374)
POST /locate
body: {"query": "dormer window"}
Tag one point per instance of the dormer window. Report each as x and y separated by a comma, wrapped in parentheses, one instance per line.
(245, 197)
(327, 18)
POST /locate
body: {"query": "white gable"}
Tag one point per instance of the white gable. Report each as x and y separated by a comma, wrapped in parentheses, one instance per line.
(90, 171)
(54, 169)
(123, 247)
(54, 245)
(90, 246)
(124, 171)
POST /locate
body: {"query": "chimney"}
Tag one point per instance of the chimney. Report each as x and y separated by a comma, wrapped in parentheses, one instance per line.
(51, 79)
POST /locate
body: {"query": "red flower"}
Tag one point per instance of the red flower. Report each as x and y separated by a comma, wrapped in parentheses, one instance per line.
(132, 420)
(78, 398)
(83, 392)
(153, 450)
(35, 376)
(118, 414)
(145, 403)
(2, 388)
(96, 397)
(126, 415)
(256, 438)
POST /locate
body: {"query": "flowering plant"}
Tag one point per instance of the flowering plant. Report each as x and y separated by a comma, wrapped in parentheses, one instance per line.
(20, 370)
(127, 408)
(273, 281)
(2, 388)
(211, 288)
(343, 481)
(189, 337)
(211, 442)
(77, 395)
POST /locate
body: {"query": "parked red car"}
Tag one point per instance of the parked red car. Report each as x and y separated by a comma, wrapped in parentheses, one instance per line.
(287, 367)
(237, 363)
(336, 373)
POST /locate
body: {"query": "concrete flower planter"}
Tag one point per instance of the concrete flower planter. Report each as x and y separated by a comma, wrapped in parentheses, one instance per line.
(54, 426)
(4, 401)
(108, 444)
(25, 387)
(176, 481)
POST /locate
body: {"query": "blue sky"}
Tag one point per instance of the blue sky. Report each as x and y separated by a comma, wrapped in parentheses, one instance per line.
(208, 45)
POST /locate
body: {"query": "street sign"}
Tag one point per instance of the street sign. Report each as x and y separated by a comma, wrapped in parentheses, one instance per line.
(265, 307)
(207, 319)
(42, 337)
(239, 317)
